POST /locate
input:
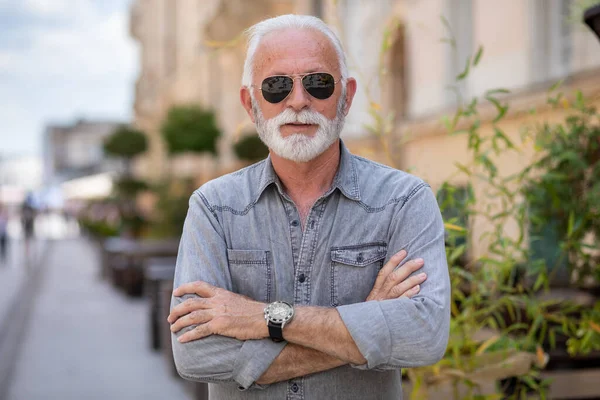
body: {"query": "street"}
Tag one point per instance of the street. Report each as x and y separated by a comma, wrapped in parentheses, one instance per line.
(69, 335)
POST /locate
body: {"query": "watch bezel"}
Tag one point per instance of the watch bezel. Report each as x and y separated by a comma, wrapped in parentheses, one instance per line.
(277, 320)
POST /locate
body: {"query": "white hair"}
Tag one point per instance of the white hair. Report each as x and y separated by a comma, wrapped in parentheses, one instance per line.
(256, 32)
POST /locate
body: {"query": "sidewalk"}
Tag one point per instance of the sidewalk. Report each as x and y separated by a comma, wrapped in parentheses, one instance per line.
(13, 272)
(85, 340)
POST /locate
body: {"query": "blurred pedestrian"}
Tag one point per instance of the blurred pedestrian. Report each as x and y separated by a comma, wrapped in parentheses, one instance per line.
(28, 214)
(3, 232)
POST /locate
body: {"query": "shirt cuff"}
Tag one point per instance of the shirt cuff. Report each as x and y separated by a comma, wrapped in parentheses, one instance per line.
(253, 359)
(369, 329)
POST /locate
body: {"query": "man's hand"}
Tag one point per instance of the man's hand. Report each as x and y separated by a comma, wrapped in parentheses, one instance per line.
(392, 283)
(220, 312)
(217, 312)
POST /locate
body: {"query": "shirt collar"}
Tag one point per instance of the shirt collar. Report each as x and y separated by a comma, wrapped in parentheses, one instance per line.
(346, 178)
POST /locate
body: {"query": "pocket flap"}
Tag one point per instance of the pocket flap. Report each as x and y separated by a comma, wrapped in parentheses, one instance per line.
(359, 255)
(247, 256)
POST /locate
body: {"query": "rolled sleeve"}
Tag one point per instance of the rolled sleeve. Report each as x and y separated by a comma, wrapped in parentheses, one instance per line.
(203, 256)
(253, 359)
(369, 330)
(406, 332)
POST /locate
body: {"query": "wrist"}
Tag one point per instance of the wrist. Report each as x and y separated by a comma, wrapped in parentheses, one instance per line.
(261, 325)
(277, 315)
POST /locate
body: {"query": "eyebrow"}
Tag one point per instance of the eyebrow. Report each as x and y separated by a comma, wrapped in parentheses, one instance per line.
(308, 71)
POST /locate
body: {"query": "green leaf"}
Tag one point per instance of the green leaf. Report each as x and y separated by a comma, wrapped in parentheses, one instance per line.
(571, 223)
(466, 71)
(457, 252)
(556, 85)
(463, 168)
(541, 279)
(478, 56)
(579, 100)
(497, 91)
(488, 165)
(499, 107)
(502, 136)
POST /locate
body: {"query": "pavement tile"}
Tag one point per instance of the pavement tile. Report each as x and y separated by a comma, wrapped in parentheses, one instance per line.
(85, 340)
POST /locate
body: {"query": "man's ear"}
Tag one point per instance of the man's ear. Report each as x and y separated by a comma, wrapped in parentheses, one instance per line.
(350, 92)
(246, 101)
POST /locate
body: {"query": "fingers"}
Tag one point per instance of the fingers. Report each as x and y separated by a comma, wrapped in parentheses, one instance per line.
(197, 333)
(406, 286)
(200, 288)
(187, 307)
(400, 274)
(412, 292)
(388, 268)
(193, 318)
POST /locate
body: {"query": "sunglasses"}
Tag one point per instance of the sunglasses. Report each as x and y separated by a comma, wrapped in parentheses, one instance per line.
(319, 85)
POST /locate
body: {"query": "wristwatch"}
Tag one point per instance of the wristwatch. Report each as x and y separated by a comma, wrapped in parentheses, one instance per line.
(277, 314)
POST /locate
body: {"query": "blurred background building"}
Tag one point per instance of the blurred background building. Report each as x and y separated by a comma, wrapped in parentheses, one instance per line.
(414, 63)
(192, 51)
(76, 150)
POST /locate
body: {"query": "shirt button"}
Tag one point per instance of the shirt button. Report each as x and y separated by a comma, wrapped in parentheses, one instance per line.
(295, 222)
(301, 278)
(360, 258)
(294, 387)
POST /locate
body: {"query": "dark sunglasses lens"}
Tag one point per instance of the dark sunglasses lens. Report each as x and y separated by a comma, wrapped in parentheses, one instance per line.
(276, 88)
(319, 85)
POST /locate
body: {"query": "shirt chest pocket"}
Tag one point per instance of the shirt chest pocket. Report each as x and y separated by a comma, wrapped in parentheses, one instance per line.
(251, 273)
(354, 270)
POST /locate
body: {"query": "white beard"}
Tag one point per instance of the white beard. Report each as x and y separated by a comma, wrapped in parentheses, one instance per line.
(298, 147)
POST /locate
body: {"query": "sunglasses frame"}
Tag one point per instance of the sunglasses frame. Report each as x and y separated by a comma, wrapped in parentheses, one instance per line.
(293, 78)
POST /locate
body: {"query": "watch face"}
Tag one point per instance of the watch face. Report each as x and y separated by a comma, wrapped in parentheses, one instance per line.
(279, 312)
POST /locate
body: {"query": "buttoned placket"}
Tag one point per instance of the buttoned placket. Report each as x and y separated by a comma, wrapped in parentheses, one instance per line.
(303, 244)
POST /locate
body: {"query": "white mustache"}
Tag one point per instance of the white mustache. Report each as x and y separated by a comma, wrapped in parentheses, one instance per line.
(288, 116)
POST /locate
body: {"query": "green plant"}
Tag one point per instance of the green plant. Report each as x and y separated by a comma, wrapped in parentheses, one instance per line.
(129, 187)
(190, 129)
(250, 148)
(502, 324)
(567, 190)
(171, 208)
(98, 229)
(125, 142)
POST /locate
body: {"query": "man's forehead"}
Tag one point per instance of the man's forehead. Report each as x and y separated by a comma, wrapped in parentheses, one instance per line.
(306, 50)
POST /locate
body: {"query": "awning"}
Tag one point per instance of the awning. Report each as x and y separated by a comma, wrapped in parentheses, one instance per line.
(88, 188)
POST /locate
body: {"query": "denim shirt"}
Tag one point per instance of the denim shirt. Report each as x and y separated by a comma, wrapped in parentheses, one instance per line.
(243, 233)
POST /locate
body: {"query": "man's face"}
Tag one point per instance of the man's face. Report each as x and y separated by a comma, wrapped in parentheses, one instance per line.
(300, 127)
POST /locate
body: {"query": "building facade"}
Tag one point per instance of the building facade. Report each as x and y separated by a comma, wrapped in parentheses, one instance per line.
(405, 55)
(76, 150)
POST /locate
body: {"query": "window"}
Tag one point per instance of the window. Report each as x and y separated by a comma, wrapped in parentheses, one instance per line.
(551, 39)
(460, 18)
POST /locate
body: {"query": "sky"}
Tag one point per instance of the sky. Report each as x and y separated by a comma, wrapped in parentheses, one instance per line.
(62, 60)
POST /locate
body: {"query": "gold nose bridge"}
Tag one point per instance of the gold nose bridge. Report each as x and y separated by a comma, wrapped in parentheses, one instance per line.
(303, 89)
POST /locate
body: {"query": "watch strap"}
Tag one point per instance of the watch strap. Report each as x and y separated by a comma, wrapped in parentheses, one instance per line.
(275, 332)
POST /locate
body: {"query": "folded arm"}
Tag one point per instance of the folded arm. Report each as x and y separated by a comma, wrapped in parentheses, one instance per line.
(393, 333)
(203, 256)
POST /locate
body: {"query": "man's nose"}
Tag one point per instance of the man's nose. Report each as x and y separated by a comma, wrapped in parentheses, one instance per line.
(298, 99)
